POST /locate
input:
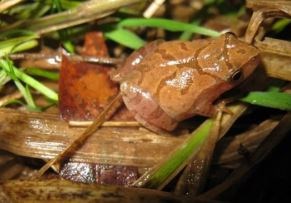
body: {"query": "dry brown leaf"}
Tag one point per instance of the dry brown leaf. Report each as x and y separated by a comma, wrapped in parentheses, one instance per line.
(85, 88)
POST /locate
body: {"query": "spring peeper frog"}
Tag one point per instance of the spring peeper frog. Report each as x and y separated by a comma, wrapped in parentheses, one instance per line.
(167, 82)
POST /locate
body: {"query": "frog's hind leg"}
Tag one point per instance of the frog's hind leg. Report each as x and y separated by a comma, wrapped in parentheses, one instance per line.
(146, 109)
(221, 107)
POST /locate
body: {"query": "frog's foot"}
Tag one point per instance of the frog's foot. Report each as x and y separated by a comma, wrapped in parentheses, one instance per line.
(221, 107)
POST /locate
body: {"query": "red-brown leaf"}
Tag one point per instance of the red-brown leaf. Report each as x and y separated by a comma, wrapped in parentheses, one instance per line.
(85, 88)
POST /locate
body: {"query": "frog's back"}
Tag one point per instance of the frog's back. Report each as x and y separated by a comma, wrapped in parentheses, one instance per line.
(171, 74)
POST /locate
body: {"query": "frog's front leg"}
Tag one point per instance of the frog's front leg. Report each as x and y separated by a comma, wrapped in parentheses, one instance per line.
(206, 104)
(211, 110)
(206, 109)
(133, 61)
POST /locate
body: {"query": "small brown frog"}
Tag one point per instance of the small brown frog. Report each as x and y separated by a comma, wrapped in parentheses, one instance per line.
(167, 82)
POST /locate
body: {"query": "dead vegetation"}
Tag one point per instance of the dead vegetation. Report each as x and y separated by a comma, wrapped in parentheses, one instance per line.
(122, 152)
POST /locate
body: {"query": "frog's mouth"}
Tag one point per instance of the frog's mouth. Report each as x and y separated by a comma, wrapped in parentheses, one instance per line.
(145, 109)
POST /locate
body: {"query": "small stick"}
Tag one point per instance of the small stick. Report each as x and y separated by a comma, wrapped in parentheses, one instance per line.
(155, 5)
(105, 124)
(57, 58)
(6, 4)
(92, 59)
(78, 142)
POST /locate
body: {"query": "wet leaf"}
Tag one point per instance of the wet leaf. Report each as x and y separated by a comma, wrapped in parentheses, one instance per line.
(85, 88)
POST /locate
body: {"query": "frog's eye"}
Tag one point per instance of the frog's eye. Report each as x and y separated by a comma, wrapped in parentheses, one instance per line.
(236, 75)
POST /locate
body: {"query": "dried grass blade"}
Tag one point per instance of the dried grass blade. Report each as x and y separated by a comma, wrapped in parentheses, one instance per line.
(262, 11)
(85, 12)
(284, 6)
(277, 66)
(227, 152)
(5, 157)
(165, 171)
(275, 46)
(64, 191)
(194, 176)
(43, 136)
(276, 57)
(274, 138)
(11, 169)
(5, 4)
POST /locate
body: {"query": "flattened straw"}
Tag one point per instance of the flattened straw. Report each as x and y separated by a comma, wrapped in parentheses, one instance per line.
(105, 124)
(275, 137)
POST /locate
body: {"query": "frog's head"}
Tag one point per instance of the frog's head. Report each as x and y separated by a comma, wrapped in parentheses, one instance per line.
(229, 58)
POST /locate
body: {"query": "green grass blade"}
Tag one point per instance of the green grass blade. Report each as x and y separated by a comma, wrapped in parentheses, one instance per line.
(14, 101)
(18, 48)
(17, 44)
(29, 81)
(271, 99)
(69, 4)
(186, 35)
(37, 85)
(64, 34)
(280, 25)
(30, 11)
(4, 78)
(179, 158)
(43, 73)
(17, 33)
(170, 25)
(125, 37)
(24, 91)
(131, 40)
(26, 94)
